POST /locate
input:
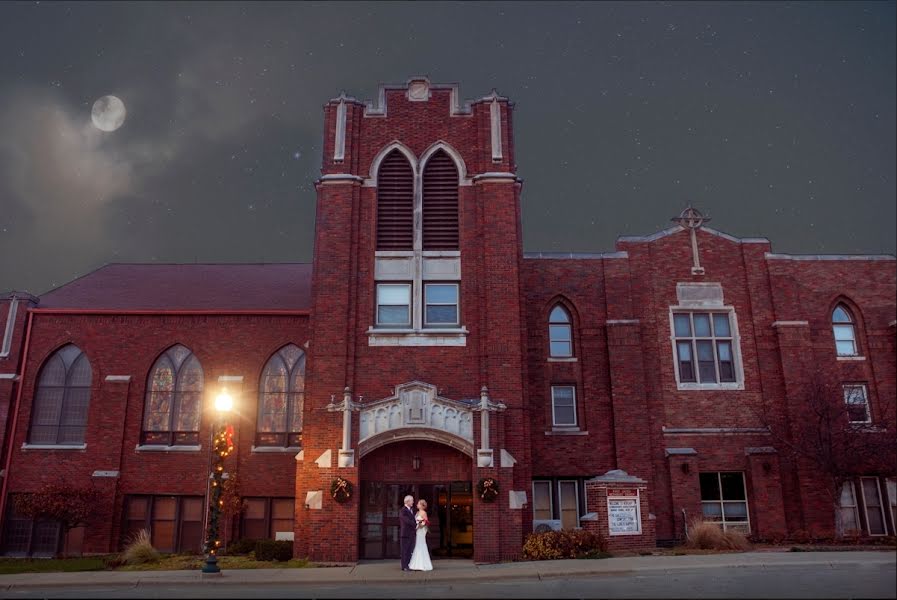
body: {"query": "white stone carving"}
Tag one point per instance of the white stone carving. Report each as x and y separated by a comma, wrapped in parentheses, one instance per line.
(495, 119)
(506, 459)
(325, 460)
(416, 405)
(314, 500)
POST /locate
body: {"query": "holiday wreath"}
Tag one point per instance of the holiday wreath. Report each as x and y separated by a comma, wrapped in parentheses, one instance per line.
(487, 488)
(341, 490)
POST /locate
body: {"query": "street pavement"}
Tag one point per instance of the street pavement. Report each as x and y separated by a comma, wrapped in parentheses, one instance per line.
(459, 571)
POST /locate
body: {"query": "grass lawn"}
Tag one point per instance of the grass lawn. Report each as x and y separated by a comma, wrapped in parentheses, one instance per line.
(170, 562)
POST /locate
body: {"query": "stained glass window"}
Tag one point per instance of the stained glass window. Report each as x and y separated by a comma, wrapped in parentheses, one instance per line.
(173, 399)
(281, 398)
(59, 414)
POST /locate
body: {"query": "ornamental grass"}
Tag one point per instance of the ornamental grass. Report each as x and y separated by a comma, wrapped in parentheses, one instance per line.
(706, 535)
(140, 550)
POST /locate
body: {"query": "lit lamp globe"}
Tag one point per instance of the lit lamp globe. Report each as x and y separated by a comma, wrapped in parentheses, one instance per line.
(224, 402)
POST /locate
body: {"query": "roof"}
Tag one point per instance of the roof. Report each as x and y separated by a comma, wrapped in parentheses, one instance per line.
(224, 287)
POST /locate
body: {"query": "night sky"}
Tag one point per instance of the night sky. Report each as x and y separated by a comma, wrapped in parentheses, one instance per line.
(776, 119)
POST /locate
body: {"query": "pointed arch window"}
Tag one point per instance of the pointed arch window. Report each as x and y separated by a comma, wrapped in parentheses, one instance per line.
(844, 328)
(440, 203)
(395, 203)
(281, 399)
(173, 399)
(560, 333)
(59, 416)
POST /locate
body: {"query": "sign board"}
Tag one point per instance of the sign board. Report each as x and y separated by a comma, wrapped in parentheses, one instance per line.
(624, 515)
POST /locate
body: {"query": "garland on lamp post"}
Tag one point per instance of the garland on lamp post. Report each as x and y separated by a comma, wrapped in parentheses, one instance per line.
(222, 446)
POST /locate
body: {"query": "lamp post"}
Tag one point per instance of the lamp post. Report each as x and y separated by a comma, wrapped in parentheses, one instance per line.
(222, 446)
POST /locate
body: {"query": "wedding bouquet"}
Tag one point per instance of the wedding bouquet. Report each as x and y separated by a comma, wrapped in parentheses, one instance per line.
(421, 523)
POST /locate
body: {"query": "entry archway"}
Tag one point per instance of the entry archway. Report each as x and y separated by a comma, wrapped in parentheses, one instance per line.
(437, 472)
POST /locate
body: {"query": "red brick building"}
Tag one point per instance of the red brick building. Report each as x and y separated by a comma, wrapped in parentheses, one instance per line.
(424, 352)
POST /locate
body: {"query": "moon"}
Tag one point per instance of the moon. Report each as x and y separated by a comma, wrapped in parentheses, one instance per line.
(108, 113)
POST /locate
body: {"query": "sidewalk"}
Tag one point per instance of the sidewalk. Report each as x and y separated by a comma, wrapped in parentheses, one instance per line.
(375, 572)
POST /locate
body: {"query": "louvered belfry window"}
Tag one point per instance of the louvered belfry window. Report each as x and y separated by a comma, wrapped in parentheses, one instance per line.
(440, 203)
(395, 203)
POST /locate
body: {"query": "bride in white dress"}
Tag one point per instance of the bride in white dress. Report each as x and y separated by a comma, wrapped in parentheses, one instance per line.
(420, 558)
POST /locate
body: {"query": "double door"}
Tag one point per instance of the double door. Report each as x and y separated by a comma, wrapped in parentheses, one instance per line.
(449, 507)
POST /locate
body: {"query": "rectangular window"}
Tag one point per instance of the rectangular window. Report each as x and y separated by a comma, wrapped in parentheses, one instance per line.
(25, 537)
(394, 304)
(173, 522)
(441, 300)
(845, 344)
(848, 516)
(857, 404)
(875, 516)
(705, 348)
(542, 500)
(891, 485)
(724, 500)
(563, 405)
(568, 499)
(262, 518)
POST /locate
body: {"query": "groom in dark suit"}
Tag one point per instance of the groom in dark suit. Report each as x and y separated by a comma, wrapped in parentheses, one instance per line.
(407, 527)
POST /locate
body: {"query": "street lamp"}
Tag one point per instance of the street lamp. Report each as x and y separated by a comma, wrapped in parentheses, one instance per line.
(222, 444)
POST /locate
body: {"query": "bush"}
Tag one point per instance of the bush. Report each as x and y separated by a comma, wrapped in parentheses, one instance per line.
(705, 535)
(273, 550)
(553, 545)
(244, 546)
(140, 550)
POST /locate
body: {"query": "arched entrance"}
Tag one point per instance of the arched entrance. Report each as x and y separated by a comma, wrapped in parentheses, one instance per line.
(434, 471)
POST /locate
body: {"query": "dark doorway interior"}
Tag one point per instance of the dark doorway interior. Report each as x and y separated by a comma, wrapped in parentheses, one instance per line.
(450, 508)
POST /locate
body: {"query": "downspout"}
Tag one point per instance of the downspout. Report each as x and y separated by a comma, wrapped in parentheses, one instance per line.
(15, 420)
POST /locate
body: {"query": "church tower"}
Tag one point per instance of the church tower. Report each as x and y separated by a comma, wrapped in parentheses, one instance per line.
(417, 364)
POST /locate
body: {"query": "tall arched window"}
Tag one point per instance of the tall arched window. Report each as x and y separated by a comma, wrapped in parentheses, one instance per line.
(560, 333)
(281, 398)
(173, 399)
(440, 203)
(845, 331)
(59, 415)
(395, 203)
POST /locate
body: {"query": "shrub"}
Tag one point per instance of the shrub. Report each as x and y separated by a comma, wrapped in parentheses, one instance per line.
(553, 545)
(273, 550)
(705, 535)
(140, 550)
(244, 546)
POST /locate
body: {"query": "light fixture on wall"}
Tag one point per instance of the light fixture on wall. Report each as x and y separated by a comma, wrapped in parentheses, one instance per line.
(685, 468)
(415, 463)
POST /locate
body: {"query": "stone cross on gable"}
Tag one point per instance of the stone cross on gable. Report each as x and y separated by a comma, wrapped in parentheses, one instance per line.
(692, 219)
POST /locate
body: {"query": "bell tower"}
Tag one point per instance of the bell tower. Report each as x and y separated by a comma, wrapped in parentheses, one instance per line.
(416, 279)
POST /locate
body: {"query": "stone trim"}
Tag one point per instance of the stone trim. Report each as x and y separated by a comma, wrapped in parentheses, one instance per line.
(791, 324)
(274, 449)
(495, 177)
(575, 255)
(113, 474)
(774, 256)
(230, 378)
(337, 178)
(715, 430)
(680, 452)
(677, 228)
(118, 378)
(617, 476)
(760, 450)
(150, 448)
(417, 337)
(622, 322)
(415, 433)
(10, 376)
(572, 359)
(851, 358)
(576, 431)
(27, 446)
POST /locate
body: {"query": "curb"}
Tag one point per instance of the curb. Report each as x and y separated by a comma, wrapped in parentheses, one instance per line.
(539, 573)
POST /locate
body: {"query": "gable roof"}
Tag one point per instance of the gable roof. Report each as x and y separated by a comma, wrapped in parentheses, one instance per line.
(163, 287)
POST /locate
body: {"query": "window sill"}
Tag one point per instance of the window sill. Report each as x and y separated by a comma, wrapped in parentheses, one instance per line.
(867, 427)
(54, 446)
(151, 448)
(682, 387)
(566, 431)
(851, 358)
(382, 336)
(571, 359)
(275, 449)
